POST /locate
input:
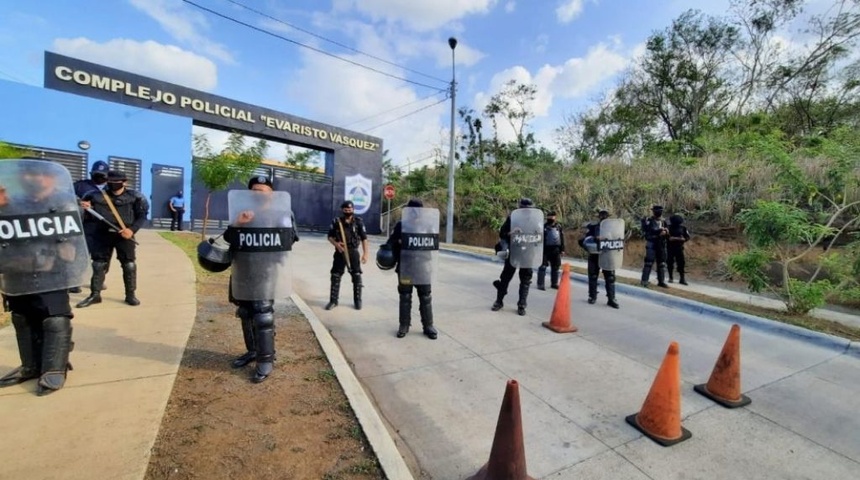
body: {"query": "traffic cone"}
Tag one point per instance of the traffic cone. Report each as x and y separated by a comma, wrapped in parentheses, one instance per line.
(660, 416)
(508, 455)
(724, 386)
(559, 321)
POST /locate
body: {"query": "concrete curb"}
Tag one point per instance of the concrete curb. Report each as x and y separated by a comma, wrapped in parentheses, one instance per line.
(380, 440)
(838, 344)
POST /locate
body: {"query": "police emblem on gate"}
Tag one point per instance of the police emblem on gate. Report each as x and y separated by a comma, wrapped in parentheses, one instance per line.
(358, 188)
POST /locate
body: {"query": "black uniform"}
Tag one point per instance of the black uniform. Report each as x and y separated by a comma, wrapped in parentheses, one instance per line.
(593, 230)
(355, 233)
(42, 321)
(678, 236)
(508, 271)
(553, 247)
(425, 299)
(654, 229)
(133, 208)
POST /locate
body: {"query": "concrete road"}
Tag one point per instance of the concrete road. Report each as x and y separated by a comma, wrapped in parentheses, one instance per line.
(442, 398)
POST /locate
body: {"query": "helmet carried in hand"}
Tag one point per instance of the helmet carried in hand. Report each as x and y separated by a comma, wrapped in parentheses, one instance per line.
(385, 257)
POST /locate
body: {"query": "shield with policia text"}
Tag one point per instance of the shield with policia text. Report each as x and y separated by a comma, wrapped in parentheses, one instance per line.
(419, 245)
(260, 236)
(612, 246)
(526, 238)
(42, 245)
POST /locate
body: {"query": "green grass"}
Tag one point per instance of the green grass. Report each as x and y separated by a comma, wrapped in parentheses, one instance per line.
(188, 242)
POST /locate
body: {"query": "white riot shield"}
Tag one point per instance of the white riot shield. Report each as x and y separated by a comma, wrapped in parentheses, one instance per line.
(612, 246)
(419, 245)
(42, 244)
(526, 238)
(261, 237)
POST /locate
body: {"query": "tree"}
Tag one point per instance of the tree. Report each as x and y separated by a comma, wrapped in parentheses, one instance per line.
(303, 161)
(513, 105)
(218, 170)
(8, 151)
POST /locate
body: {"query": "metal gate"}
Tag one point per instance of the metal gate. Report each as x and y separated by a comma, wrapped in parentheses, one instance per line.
(167, 180)
(130, 167)
(75, 162)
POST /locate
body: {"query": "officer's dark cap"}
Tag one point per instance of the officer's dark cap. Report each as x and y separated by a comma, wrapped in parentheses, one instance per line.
(415, 203)
(603, 212)
(116, 176)
(347, 204)
(526, 202)
(99, 167)
(260, 180)
(550, 213)
(657, 208)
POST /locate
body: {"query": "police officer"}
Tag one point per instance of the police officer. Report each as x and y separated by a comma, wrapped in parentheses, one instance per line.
(257, 316)
(39, 269)
(508, 270)
(131, 208)
(589, 242)
(553, 250)
(655, 231)
(95, 184)
(425, 306)
(345, 234)
(177, 210)
(678, 236)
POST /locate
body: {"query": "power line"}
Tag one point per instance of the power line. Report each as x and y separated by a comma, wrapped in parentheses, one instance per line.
(405, 115)
(239, 4)
(261, 30)
(393, 109)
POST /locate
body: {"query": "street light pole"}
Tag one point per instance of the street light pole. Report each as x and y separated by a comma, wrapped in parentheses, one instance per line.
(449, 229)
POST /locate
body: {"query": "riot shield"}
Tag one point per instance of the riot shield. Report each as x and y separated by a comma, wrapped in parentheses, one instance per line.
(612, 246)
(42, 244)
(526, 238)
(260, 236)
(419, 245)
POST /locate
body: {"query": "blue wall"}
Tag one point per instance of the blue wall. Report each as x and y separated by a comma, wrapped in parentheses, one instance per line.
(51, 119)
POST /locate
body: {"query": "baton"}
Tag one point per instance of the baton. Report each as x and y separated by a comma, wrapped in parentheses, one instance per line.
(108, 222)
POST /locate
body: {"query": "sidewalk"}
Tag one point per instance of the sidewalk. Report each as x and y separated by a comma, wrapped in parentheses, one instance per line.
(707, 290)
(103, 423)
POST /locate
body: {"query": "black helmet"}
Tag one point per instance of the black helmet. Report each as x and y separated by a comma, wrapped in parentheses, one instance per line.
(526, 203)
(214, 255)
(676, 219)
(385, 257)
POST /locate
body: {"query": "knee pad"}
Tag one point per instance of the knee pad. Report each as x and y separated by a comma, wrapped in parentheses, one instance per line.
(264, 320)
(130, 266)
(404, 289)
(262, 306)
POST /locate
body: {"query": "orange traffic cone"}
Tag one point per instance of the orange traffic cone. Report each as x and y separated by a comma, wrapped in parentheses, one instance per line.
(508, 455)
(559, 321)
(724, 386)
(660, 416)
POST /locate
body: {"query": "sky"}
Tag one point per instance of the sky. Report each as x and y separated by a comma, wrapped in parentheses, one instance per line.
(381, 67)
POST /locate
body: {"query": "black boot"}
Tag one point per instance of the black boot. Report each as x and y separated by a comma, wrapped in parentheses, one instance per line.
(29, 345)
(55, 354)
(335, 291)
(356, 291)
(661, 276)
(264, 328)
(682, 280)
(553, 279)
(671, 277)
(646, 275)
(405, 314)
(129, 278)
(522, 302)
(500, 295)
(248, 335)
(609, 277)
(96, 285)
(541, 278)
(425, 307)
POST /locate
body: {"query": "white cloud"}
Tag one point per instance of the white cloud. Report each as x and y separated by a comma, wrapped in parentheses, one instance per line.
(341, 94)
(510, 6)
(574, 79)
(183, 25)
(422, 15)
(569, 10)
(153, 59)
